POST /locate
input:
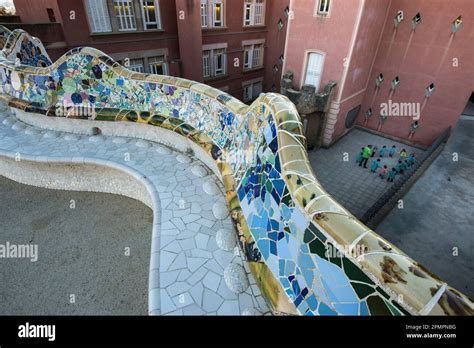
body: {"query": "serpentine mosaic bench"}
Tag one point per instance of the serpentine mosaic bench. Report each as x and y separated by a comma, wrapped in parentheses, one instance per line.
(292, 233)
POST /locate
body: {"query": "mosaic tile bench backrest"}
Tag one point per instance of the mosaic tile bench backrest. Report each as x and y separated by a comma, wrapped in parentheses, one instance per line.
(309, 255)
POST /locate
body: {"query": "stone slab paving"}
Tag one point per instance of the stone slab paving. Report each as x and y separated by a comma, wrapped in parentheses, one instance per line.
(356, 188)
(187, 266)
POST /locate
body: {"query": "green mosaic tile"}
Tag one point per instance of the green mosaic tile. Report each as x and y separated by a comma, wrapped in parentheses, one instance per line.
(317, 247)
(354, 273)
(381, 291)
(317, 232)
(378, 306)
(308, 236)
(362, 290)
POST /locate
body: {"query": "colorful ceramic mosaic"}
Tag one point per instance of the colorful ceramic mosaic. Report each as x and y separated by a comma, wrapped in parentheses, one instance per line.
(308, 254)
(22, 48)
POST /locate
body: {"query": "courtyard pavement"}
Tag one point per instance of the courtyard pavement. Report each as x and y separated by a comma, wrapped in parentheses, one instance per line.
(356, 188)
(436, 225)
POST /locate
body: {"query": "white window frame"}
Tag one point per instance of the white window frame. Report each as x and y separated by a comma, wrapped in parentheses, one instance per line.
(210, 65)
(254, 13)
(126, 20)
(323, 8)
(247, 13)
(204, 14)
(318, 74)
(253, 56)
(98, 15)
(220, 52)
(214, 7)
(208, 13)
(146, 19)
(153, 62)
(137, 65)
(206, 63)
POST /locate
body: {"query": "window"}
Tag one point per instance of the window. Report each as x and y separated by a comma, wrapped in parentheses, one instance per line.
(151, 14)
(253, 56)
(219, 62)
(212, 13)
(51, 16)
(214, 62)
(137, 65)
(157, 65)
(206, 64)
(217, 13)
(323, 7)
(204, 10)
(314, 69)
(351, 116)
(125, 15)
(254, 12)
(251, 91)
(98, 15)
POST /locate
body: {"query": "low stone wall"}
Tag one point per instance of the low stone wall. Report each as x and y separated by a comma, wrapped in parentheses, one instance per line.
(75, 175)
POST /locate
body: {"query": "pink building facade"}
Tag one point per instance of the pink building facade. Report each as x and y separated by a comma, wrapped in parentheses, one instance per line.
(352, 42)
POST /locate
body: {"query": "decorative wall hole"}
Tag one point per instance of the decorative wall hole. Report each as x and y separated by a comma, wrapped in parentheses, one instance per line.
(416, 20)
(379, 79)
(280, 24)
(456, 24)
(368, 113)
(430, 90)
(398, 18)
(395, 82)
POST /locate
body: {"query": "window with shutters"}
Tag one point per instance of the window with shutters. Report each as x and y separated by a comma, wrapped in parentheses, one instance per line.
(125, 15)
(253, 56)
(98, 15)
(212, 13)
(204, 13)
(206, 64)
(219, 62)
(254, 12)
(157, 65)
(314, 68)
(137, 65)
(214, 62)
(151, 14)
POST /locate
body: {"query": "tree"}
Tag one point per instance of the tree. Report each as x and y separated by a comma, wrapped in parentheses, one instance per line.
(4, 11)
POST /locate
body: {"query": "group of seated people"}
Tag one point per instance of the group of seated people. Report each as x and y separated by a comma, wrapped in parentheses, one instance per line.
(405, 161)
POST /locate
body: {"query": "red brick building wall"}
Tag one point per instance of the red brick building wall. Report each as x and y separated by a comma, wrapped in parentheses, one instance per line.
(362, 34)
(181, 39)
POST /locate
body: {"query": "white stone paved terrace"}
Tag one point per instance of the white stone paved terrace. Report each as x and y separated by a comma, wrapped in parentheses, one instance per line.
(188, 262)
